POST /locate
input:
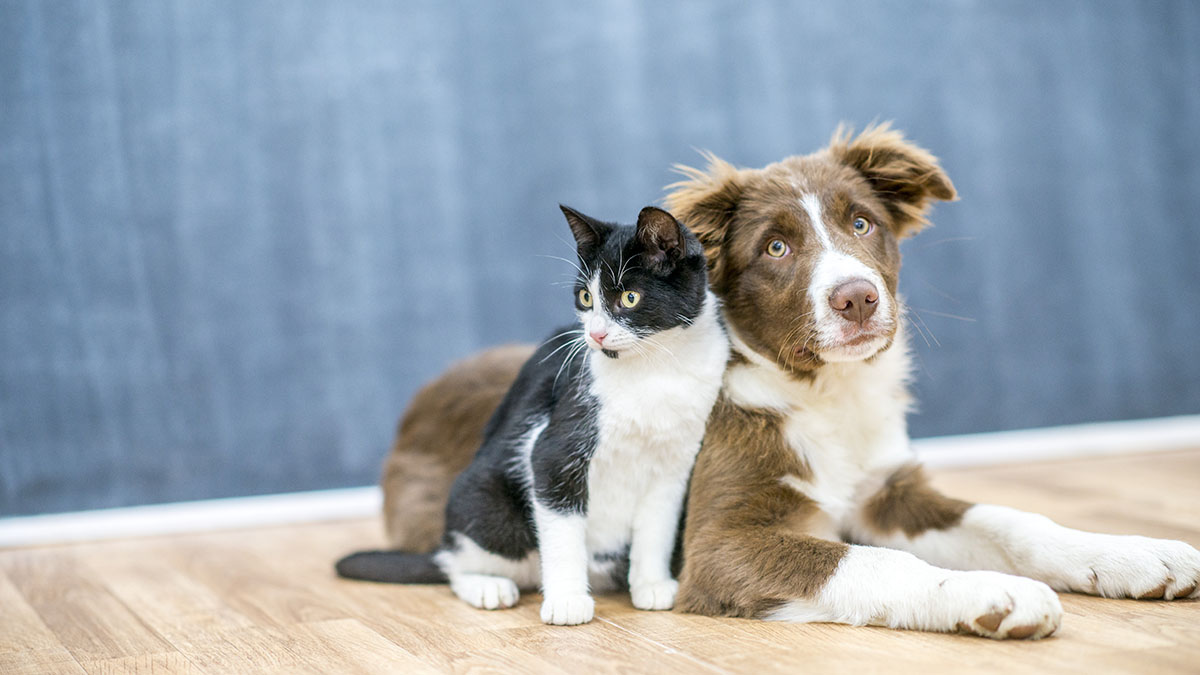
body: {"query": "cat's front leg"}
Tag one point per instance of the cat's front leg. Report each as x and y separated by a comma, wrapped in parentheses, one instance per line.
(651, 585)
(562, 546)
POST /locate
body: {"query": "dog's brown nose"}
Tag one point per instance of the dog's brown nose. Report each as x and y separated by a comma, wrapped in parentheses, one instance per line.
(855, 300)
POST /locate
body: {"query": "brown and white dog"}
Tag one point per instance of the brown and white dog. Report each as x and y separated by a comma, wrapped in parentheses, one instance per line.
(806, 502)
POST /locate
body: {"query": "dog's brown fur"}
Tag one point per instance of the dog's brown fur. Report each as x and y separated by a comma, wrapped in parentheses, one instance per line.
(745, 544)
(437, 438)
(909, 504)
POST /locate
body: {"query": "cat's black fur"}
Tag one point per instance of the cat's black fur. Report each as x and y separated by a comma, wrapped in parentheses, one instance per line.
(490, 501)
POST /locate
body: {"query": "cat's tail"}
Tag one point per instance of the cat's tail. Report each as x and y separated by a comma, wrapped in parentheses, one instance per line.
(394, 567)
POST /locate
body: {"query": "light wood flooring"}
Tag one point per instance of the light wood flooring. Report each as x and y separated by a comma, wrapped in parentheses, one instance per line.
(267, 601)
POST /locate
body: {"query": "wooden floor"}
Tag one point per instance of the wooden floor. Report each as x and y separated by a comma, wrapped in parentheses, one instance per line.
(267, 601)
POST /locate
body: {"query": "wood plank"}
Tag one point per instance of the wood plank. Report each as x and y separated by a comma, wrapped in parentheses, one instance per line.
(27, 645)
(171, 663)
(91, 623)
(39, 662)
(347, 646)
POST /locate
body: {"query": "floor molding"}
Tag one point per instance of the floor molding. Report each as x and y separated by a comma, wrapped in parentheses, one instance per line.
(1104, 438)
(197, 516)
(1161, 434)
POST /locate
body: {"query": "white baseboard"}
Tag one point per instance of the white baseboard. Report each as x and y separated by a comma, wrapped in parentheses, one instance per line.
(1084, 440)
(198, 516)
(1162, 434)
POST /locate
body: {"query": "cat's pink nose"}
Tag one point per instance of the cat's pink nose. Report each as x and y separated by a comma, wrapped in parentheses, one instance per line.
(598, 335)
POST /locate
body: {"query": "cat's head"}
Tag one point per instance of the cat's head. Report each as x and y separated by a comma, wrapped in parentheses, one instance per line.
(636, 281)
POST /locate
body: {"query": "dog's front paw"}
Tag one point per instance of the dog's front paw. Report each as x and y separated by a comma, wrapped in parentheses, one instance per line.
(1000, 606)
(655, 594)
(1131, 567)
(568, 609)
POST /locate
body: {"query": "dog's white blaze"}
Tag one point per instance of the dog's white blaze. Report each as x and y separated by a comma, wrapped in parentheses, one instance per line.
(812, 205)
(833, 268)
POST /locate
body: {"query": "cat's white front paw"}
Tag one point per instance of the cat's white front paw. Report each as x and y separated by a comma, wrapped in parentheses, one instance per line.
(485, 591)
(1128, 567)
(568, 609)
(654, 595)
(998, 606)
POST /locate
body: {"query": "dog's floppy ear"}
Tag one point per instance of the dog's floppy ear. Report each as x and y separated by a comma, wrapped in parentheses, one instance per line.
(906, 177)
(706, 201)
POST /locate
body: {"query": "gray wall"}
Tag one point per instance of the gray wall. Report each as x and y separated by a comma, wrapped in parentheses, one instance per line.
(238, 235)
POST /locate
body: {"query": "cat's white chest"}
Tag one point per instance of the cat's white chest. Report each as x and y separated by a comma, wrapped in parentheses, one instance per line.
(649, 431)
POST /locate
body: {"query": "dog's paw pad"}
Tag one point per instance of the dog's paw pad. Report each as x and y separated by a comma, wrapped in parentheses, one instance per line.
(1134, 567)
(1023, 632)
(1001, 606)
(992, 620)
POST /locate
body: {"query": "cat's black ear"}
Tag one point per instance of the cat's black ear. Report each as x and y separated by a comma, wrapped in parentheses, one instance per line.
(707, 201)
(660, 235)
(588, 231)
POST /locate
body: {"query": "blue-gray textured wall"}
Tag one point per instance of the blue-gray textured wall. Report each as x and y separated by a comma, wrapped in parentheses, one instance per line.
(237, 235)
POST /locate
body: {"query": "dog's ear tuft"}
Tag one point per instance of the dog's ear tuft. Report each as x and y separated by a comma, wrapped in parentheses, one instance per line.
(706, 201)
(907, 177)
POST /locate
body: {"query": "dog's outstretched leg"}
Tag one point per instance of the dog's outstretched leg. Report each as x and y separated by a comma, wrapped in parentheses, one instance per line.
(909, 515)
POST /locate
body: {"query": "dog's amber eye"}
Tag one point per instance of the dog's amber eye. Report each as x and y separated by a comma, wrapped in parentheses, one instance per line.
(862, 226)
(777, 248)
(630, 299)
(585, 298)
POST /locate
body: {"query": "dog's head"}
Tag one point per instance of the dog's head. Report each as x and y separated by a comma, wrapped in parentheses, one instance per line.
(805, 252)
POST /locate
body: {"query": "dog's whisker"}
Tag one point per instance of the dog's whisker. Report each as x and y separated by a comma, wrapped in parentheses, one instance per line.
(919, 331)
(926, 327)
(947, 240)
(939, 291)
(944, 314)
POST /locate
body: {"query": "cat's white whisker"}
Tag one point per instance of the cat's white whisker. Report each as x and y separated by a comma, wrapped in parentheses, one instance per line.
(579, 345)
(561, 347)
(572, 263)
(622, 268)
(612, 274)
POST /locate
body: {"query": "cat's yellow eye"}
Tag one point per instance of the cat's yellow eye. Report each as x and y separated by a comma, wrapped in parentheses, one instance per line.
(585, 297)
(630, 299)
(777, 248)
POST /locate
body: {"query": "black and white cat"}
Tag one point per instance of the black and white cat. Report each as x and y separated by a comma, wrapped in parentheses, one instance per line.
(581, 477)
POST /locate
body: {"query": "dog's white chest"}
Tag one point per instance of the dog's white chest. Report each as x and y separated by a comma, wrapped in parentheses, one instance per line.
(847, 427)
